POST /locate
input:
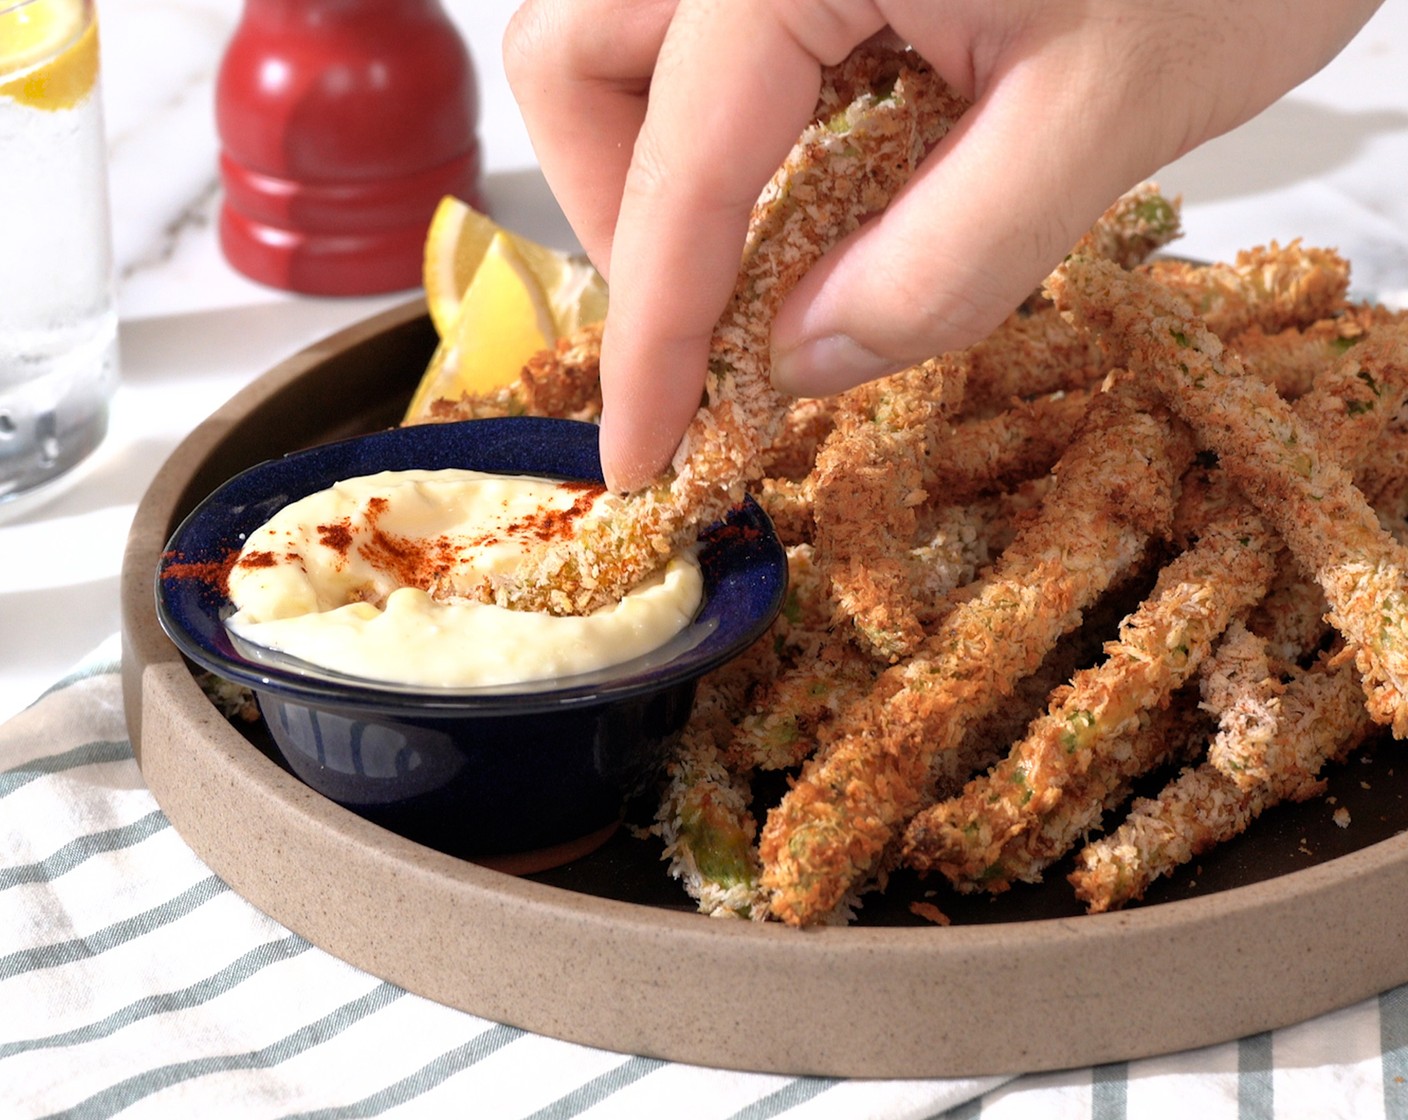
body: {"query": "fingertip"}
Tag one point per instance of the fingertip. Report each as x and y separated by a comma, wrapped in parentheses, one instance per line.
(651, 389)
(631, 459)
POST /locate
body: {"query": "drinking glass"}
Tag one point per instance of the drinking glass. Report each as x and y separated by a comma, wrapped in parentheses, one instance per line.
(58, 317)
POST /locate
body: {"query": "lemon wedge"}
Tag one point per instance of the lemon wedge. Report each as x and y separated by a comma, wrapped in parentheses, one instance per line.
(502, 320)
(53, 30)
(457, 241)
(496, 299)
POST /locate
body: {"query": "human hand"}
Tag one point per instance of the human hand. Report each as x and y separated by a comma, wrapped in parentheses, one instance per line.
(658, 122)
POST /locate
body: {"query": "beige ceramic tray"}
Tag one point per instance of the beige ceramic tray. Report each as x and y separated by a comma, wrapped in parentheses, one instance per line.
(1296, 919)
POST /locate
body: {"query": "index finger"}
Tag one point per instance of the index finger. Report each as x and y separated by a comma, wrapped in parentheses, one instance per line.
(733, 87)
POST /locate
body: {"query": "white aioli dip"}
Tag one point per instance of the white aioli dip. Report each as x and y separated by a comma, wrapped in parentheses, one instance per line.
(369, 578)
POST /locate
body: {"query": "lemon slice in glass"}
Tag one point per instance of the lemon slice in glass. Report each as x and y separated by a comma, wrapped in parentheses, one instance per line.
(502, 320)
(55, 30)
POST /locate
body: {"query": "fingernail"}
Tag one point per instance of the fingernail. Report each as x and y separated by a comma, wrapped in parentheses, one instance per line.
(826, 365)
(622, 480)
(627, 475)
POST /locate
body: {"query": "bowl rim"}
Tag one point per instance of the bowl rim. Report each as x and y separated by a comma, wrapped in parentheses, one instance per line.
(216, 524)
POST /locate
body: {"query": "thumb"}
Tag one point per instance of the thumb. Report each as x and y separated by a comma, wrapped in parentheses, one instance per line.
(990, 213)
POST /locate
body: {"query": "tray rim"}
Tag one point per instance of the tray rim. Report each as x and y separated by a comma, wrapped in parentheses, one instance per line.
(920, 1002)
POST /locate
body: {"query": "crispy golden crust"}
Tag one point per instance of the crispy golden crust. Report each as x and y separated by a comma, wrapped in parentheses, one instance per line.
(805, 425)
(1245, 692)
(831, 830)
(865, 487)
(1136, 226)
(1308, 496)
(1291, 359)
(986, 462)
(797, 711)
(1159, 647)
(788, 504)
(1321, 717)
(1381, 476)
(1268, 287)
(993, 454)
(842, 169)
(1030, 355)
(1291, 617)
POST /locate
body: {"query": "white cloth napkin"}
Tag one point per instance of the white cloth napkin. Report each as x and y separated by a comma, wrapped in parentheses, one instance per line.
(134, 983)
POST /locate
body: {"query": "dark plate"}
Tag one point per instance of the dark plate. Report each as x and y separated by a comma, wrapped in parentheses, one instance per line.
(1297, 917)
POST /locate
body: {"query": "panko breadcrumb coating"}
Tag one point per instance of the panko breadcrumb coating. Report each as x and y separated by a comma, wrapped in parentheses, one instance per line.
(1159, 647)
(970, 520)
(1273, 456)
(974, 839)
(992, 454)
(1270, 287)
(831, 830)
(845, 166)
(1321, 718)
(865, 486)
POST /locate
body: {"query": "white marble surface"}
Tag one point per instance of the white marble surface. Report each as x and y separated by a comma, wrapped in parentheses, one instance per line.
(1329, 163)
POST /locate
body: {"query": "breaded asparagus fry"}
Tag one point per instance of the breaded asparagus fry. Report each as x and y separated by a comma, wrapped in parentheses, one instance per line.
(957, 542)
(865, 486)
(844, 167)
(1291, 618)
(975, 839)
(1159, 646)
(1242, 688)
(831, 830)
(1382, 476)
(1268, 287)
(1034, 353)
(788, 503)
(994, 453)
(1136, 226)
(792, 453)
(1386, 484)
(708, 829)
(1171, 731)
(1030, 355)
(704, 816)
(1157, 738)
(791, 714)
(1321, 718)
(1291, 359)
(1274, 457)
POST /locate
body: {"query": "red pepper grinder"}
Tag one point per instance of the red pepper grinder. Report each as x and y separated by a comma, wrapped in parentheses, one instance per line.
(342, 124)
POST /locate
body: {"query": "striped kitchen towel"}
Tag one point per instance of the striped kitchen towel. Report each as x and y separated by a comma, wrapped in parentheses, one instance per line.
(134, 983)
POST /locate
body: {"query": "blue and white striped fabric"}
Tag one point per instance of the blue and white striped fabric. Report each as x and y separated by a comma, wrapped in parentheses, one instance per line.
(134, 983)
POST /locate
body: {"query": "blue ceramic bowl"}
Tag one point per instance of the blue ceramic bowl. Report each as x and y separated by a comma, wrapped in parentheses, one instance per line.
(527, 775)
